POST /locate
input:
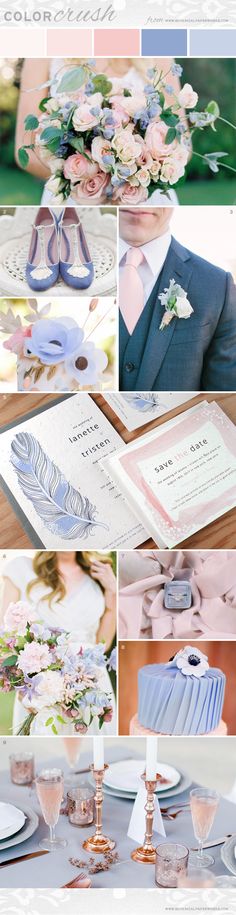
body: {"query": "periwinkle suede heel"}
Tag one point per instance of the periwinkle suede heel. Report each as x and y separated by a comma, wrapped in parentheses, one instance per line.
(42, 268)
(76, 267)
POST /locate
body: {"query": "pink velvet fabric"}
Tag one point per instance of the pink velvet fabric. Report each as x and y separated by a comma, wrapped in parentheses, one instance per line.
(213, 612)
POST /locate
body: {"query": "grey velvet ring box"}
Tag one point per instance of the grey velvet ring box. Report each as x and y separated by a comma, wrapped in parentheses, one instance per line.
(177, 595)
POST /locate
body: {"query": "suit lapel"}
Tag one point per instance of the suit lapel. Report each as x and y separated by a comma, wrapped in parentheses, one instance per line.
(178, 266)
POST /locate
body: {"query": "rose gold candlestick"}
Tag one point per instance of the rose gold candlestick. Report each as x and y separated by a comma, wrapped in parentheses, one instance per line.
(146, 854)
(98, 842)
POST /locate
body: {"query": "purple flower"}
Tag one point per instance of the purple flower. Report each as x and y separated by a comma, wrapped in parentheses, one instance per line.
(112, 663)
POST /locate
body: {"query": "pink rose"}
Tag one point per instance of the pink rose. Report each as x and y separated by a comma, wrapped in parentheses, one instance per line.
(119, 114)
(91, 188)
(16, 341)
(155, 140)
(34, 658)
(108, 715)
(83, 119)
(77, 167)
(17, 616)
(81, 728)
(129, 194)
(100, 148)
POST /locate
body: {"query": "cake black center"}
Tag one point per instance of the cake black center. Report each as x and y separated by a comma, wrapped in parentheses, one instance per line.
(56, 342)
(81, 363)
(193, 660)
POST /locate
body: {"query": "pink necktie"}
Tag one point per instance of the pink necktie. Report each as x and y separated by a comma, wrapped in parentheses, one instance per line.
(131, 291)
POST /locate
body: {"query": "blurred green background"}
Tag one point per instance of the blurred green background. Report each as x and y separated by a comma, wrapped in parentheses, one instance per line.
(213, 78)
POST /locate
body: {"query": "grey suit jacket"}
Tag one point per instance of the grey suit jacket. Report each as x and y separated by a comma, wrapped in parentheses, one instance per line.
(198, 353)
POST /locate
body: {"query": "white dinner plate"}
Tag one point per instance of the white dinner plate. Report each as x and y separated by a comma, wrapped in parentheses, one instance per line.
(125, 775)
(30, 825)
(11, 820)
(183, 785)
(228, 854)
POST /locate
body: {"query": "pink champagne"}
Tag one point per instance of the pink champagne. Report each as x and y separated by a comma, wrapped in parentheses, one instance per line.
(203, 811)
(72, 747)
(50, 795)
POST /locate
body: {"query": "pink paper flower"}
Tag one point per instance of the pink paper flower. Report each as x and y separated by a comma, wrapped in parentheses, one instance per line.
(77, 167)
(91, 188)
(17, 616)
(16, 341)
(34, 658)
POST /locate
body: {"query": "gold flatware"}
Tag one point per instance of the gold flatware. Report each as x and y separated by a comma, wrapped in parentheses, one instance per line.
(34, 854)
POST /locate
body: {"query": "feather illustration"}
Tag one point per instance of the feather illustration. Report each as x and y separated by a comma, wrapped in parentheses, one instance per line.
(61, 507)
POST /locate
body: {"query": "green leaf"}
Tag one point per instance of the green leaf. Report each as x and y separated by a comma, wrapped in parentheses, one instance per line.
(127, 93)
(213, 108)
(31, 122)
(54, 729)
(77, 143)
(216, 155)
(161, 98)
(170, 136)
(169, 119)
(23, 157)
(72, 80)
(60, 719)
(48, 722)
(51, 133)
(43, 102)
(53, 145)
(9, 662)
(102, 84)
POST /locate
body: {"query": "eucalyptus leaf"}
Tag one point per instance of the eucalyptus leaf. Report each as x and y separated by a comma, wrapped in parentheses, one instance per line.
(213, 108)
(170, 136)
(23, 157)
(72, 80)
(51, 133)
(31, 122)
(10, 662)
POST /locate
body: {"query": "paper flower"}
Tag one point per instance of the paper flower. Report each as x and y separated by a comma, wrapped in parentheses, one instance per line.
(54, 341)
(191, 662)
(87, 364)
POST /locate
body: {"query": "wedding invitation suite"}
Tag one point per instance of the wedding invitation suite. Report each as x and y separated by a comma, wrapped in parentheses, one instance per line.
(52, 472)
(136, 409)
(181, 477)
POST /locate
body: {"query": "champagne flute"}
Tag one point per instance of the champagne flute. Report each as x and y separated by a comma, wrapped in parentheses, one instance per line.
(203, 806)
(49, 787)
(199, 877)
(72, 747)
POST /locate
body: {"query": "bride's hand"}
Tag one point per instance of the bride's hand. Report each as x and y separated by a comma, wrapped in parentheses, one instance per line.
(103, 572)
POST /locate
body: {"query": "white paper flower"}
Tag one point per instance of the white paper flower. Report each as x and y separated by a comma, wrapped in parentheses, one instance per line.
(191, 662)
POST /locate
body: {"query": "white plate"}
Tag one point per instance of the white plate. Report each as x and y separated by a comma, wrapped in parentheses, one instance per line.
(183, 785)
(11, 819)
(30, 825)
(125, 775)
(228, 855)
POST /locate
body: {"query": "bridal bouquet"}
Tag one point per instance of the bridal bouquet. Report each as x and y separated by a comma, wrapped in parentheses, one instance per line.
(54, 677)
(100, 140)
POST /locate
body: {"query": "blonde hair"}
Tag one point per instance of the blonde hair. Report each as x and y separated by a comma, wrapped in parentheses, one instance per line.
(45, 566)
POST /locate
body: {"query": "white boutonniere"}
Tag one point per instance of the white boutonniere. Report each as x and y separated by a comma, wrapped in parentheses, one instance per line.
(174, 300)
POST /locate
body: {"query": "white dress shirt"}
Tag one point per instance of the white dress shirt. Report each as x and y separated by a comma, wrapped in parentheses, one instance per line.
(155, 253)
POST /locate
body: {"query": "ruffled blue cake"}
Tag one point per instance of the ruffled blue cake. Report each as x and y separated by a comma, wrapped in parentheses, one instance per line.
(184, 696)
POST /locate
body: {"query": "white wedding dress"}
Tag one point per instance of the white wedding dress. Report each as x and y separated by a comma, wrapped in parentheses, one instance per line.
(134, 82)
(79, 613)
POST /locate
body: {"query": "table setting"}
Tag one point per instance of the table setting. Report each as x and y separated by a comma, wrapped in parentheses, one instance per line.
(114, 820)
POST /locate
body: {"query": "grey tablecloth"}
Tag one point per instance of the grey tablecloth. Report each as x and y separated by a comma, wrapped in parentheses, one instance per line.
(54, 870)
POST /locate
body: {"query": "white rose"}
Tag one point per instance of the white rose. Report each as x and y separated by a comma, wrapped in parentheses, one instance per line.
(58, 199)
(133, 103)
(55, 165)
(187, 97)
(53, 185)
(143, 177)
(183, 309)
(52, 105)
(49, 691)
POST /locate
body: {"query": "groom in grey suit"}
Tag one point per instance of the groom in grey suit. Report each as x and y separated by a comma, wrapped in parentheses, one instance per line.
(193, 354)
